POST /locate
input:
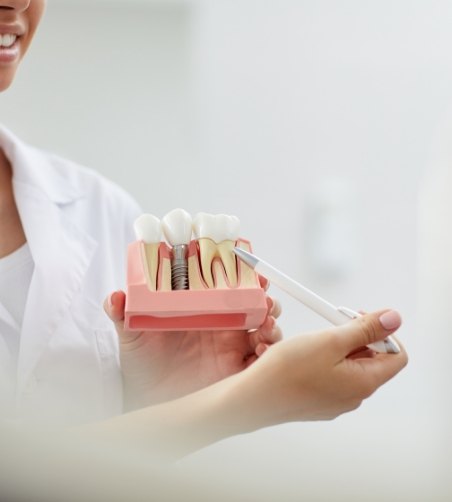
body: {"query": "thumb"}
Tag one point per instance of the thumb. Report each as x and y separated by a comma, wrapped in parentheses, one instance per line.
(114, 307)
(368, 329)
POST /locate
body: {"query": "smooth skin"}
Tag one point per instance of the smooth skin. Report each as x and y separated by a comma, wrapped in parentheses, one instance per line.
(308, 377)
(219, 384)
(159, 366)
(23, 17)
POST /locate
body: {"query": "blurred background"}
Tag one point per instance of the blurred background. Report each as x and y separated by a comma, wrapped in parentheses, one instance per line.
(324, 126)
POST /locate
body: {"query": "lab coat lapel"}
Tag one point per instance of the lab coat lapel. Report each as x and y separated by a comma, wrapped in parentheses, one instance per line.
(61, 253)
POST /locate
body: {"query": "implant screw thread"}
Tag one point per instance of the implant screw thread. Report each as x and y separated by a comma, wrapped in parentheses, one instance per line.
(179, 267)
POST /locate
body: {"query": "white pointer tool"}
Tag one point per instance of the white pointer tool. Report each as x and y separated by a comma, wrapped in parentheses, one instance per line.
(336, 315)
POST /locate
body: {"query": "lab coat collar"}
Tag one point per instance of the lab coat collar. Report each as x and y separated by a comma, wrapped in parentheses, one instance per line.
(49, 178)
(61, 251)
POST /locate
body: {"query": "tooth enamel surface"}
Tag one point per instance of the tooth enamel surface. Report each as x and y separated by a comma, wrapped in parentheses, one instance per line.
(177, 227)
(7, 40)
(148, 229)
(219, 227)
(216, 236)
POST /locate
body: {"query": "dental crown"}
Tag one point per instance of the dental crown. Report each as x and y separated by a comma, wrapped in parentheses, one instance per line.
(215, 236)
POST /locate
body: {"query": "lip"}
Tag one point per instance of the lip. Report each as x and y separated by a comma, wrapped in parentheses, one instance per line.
(12, 29)
(10, 54)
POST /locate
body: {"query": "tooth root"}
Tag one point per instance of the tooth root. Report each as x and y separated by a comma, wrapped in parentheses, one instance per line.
(164, 282)
(229, 261)
(247, 276)
(207, 252)
(164, 269)
(194, 274)
(151, 255)
(219, 275)
(194, 271)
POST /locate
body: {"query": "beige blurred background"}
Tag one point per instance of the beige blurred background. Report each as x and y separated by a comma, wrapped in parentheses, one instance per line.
(324, 126)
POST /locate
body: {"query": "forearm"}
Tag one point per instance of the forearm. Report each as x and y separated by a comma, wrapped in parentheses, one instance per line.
(308, 377)
(179, 427)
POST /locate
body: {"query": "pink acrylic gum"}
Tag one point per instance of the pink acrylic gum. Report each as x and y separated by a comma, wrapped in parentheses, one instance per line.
(234, 308)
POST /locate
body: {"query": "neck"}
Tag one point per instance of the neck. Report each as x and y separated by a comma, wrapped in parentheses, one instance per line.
(5, 172)
(11, 232)
(6, 188)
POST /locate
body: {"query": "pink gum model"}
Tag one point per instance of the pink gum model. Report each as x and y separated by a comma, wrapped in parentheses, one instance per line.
(238, 308)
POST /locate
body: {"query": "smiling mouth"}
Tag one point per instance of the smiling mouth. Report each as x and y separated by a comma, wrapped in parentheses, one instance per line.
(8, 40)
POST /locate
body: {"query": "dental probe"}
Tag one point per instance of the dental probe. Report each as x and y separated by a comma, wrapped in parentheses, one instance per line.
(336, 315)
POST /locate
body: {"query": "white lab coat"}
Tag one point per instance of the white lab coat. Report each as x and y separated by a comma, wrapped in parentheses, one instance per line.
(77, 225)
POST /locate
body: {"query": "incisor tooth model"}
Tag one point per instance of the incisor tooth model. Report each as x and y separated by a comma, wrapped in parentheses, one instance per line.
(217, 236)
(148, 230)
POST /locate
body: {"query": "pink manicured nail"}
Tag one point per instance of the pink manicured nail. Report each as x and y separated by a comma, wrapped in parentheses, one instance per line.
(390, 320)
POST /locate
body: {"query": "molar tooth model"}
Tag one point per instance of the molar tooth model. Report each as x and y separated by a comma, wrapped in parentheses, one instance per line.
(191, 284)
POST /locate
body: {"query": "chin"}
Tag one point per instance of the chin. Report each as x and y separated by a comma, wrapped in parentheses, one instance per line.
(5, 82)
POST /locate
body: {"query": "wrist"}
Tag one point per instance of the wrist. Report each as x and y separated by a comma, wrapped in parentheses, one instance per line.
(245, 402)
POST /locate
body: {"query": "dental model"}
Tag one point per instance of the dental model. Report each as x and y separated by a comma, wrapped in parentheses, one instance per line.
(217, 235)
(194, 284)
(149, 230)
(177, 229)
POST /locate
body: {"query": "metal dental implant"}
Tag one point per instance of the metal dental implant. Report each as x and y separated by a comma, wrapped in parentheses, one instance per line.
(177, 227)
(179, 267)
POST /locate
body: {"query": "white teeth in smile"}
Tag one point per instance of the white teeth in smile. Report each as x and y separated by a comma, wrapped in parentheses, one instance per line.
(7, 40)
(217, 235)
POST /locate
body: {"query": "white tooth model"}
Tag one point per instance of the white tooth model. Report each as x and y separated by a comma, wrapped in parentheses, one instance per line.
(149, 230)
(217, 236)
(177, 227)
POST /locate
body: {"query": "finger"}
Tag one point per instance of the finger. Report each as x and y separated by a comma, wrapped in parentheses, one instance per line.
(367, 329)
(262, 333)
(268, 333)
(250, 360)
(264, 282)
(114, 306)
(383, 367)
(261, 348)
(276, 309)
(275, 336)
(362, 353)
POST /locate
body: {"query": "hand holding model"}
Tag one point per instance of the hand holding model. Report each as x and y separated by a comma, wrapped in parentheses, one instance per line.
(158, 366)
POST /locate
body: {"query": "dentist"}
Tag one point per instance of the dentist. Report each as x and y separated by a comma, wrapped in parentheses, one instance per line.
(63, 235)
(64, 231)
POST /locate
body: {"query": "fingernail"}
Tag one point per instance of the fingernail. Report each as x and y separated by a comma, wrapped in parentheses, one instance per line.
(111, 300)
(390, 320)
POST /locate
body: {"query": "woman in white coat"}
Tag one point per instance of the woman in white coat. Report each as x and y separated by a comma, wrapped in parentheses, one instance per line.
(63, 234)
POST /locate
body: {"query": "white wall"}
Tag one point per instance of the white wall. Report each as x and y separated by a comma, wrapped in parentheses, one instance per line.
(291, 94)
(250, 107)
(108, 85)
